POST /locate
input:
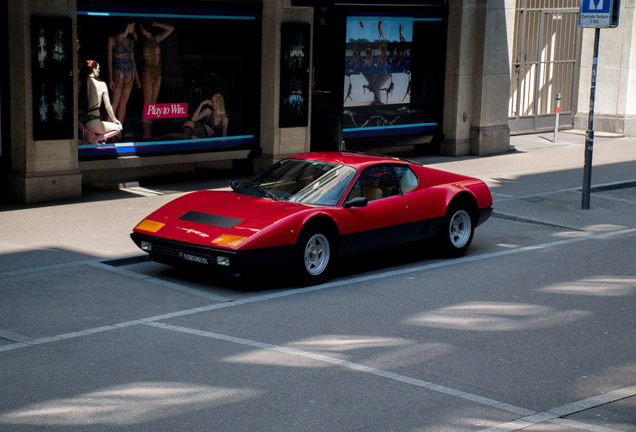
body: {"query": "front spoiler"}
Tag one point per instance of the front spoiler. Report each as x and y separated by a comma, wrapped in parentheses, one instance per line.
(179, 253)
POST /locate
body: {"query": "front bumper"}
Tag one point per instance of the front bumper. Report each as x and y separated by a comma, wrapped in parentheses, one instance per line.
(238, 262)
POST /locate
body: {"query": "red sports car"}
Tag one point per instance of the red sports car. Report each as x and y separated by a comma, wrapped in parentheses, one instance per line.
(306, 210)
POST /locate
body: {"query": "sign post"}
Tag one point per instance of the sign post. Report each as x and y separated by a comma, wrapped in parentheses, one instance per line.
(589, 136)
(596, 14)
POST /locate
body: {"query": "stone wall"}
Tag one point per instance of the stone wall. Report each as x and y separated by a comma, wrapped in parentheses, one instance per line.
(615, 97)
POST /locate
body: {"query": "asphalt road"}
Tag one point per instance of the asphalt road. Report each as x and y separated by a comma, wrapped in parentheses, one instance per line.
(533, 330)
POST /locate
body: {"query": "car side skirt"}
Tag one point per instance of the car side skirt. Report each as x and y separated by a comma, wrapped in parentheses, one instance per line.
(396, 235)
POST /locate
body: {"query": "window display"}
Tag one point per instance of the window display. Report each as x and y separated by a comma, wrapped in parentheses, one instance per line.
(294, 82)
(382, 69)
(179, 80)
(52, 84)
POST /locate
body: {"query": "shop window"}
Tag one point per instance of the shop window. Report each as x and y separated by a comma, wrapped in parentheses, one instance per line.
(179, 80)
(393, 74)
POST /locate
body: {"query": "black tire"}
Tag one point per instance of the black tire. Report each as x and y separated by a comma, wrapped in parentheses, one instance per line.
(314, 256)
(456, 233)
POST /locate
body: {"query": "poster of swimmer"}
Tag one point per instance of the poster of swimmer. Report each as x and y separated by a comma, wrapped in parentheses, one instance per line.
(388, 87)
(377, 83)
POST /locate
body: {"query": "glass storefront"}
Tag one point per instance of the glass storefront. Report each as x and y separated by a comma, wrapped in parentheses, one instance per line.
(394, 71)
(179, 80)
(379, 74)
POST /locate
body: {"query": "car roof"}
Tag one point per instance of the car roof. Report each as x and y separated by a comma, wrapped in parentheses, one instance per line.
(356, 160)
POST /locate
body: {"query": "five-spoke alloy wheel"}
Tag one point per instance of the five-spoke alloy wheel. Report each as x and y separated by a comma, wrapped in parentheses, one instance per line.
(457, 232)
(314, 256)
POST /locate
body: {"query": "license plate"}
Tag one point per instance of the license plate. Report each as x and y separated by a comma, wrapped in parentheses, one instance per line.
(193, 258)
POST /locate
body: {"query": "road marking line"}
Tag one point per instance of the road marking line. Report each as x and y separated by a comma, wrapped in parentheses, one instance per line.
(479, 257)
(530, 417)
(348, 365)
(611, 198)
(582, 426)
(555, 415)
(48, 268)
(596, 188)
(168, 284)
(595, 401)
(99, 263)
(535, 195)
(13, 337)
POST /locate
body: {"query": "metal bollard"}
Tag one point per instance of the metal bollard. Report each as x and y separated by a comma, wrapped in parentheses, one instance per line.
(556, 118)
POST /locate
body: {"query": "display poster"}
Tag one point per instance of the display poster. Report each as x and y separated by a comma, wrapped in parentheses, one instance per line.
(178, 80)
(294, 82)
(379, 76)
(52, 69)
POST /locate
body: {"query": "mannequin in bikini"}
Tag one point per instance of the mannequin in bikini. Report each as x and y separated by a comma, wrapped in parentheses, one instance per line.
(151, 70)
(122, 70)
(94, 94)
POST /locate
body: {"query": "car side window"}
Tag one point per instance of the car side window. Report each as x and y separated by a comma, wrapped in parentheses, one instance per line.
(406, 177)
(374, 183)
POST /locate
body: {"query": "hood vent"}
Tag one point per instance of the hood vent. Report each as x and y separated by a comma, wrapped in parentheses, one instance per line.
(210, 219)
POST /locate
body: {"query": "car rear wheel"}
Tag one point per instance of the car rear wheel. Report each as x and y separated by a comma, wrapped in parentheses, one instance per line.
(313, 256)
(457, 232)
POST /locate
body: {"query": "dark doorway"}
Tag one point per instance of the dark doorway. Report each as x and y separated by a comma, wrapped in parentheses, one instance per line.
(326, 117)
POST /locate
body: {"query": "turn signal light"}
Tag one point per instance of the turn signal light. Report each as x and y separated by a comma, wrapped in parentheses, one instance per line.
(149, 225)
(229, 240)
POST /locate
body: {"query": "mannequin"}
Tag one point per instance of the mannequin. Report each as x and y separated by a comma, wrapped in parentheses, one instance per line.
(122, 69)
(151, 70)
(209, 120)
(94, 94)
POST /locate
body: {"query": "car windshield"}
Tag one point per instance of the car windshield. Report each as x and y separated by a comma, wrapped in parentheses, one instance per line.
(302, 181)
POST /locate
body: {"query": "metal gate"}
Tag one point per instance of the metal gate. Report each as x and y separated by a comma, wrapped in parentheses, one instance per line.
(545, 63)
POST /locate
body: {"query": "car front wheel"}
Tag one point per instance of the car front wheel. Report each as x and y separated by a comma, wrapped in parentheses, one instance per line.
(313, 257)
(457, 232)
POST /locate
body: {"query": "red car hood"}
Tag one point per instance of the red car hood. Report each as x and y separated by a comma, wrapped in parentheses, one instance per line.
(232, 205)
(201, 217)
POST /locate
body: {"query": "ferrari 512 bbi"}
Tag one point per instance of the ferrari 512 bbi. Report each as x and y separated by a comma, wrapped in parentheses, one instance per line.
(307, 210)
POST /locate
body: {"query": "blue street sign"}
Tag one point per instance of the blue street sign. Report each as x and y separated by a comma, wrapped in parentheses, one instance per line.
(599, 13)
(596, 6)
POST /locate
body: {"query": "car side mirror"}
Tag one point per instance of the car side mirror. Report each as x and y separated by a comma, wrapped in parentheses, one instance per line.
(234, 184)
(356, 202)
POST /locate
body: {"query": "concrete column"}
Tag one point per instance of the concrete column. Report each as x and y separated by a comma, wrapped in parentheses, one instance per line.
(615, 101)
(477, 78)
(44, 170)
(277, 142)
